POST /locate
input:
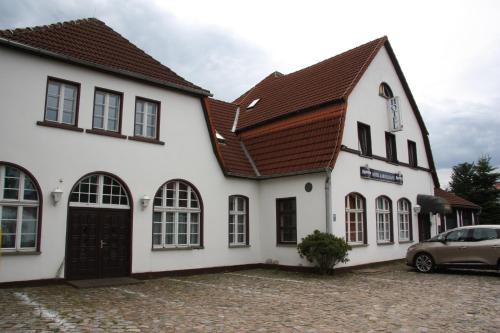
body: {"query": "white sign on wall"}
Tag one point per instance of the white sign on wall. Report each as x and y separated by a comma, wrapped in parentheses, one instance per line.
(395, 122)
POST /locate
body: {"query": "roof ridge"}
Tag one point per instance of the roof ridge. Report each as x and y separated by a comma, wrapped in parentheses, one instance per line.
(52, 25)
(220, 100)
(338, 55)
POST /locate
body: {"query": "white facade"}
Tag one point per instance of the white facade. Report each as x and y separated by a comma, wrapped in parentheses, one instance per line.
(59, 158)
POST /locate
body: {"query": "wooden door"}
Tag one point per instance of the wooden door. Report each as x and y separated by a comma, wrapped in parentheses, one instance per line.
(424, 227)
(98, 243)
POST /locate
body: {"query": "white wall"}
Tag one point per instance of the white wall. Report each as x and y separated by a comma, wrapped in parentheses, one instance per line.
(51, 154)
(310, 214)
(365, 105)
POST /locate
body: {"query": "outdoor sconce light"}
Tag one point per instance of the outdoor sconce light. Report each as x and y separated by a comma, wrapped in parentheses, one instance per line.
(145, 201)
(417, 209)
(56, 195)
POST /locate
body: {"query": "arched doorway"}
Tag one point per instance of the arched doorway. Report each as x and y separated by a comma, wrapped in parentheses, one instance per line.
(99, 228)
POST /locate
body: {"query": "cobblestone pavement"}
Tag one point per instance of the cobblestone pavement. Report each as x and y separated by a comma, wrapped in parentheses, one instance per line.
(391, 298)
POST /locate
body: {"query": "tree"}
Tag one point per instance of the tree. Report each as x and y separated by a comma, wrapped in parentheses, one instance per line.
(476, 183)
(324, 250)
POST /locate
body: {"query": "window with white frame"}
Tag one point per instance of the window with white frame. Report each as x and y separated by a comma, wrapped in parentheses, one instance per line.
(238, 220)
(176, 216)
(62, 98)
(146, 118)
(107, 106)
(404, 220)
(384, 219)
(98, 190)
(355, 219)
(19, 210)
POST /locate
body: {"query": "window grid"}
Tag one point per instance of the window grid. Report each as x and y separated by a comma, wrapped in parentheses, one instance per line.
(107, 111)
(237, 220)
(19, 213)
(354, 217)
(383, 216)
(99, 191)
(61, 102)
(286, 220)
(404, 220)
(176, 216)
(146, 119)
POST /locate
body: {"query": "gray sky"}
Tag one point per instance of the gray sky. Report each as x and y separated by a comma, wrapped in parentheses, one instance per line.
(449, 50)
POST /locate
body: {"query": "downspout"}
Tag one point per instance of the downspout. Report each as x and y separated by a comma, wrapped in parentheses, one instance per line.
(328, 200)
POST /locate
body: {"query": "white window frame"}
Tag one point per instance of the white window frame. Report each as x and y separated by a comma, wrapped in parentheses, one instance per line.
(61, 98)
(383, 218)
(163, 209)
(404, 211)
(144, 125)
(359, 209)
(106, 111)
(234, 214)
(20, 203)
(100, 194)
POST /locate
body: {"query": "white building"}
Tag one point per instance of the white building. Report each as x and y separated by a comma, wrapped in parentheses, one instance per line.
(113, 165)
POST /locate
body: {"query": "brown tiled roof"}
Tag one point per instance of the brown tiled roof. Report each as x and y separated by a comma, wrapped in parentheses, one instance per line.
(305, 142)
(454, 200)
(300, 143)
(92, 42)
(311, 87)
(233, 157)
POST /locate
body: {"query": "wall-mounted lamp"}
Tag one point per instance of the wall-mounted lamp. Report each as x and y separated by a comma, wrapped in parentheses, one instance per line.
(145, 201)
(56, 195)
(417, 209)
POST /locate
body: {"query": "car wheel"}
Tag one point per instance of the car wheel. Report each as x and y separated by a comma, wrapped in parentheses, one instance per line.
(424, 263)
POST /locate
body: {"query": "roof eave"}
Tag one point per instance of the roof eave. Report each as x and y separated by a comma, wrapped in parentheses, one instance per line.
(65, 58)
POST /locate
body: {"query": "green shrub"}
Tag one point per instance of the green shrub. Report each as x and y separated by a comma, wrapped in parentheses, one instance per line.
(324, 250)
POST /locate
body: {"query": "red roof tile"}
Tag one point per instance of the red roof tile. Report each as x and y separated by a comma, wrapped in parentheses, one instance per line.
(330, 80)
(454, 200)
(300, 143)
(233, 157)
(92, 41)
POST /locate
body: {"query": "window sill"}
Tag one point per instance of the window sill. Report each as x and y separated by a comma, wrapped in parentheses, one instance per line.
(59, 125)
(147, 140)
(106, 133)
(19, 253)
(385, 243)
(286, 244)
(405, 242)
(238, 246)
(358, 245)
(179, 248)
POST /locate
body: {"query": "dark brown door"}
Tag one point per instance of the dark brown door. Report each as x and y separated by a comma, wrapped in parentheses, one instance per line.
(98, 243)
(424, 227)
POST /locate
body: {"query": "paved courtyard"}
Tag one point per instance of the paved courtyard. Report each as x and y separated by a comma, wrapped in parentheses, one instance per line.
(390, 298)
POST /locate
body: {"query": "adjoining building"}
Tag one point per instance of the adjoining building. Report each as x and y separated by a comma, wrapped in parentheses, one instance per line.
(113, 165)
(461, 213)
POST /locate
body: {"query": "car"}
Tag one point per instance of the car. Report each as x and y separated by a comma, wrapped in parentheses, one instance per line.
(476, 247)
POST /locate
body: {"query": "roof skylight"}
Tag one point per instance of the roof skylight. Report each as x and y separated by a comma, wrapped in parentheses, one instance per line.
(254, 102)
(220, 138)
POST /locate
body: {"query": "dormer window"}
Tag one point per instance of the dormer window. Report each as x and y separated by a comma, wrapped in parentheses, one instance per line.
(385, 91)
(252, 105)
(220, 138)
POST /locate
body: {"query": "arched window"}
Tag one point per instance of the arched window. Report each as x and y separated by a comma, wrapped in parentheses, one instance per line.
(177, 220)
(355, 219)
(383, 208)
(238, 220)
(19, 210)
(385, 91)
(404, 220)
(99, 190)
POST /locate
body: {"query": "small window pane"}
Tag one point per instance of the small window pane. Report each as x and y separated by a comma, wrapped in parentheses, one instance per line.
(8, 241)
(8, 226)
(9, 212)
(156, 239)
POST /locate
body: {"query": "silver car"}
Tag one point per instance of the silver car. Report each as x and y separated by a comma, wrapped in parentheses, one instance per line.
(475, 247)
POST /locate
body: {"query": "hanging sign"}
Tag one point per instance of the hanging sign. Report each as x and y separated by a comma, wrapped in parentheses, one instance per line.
(395, 122)
(367, 173)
